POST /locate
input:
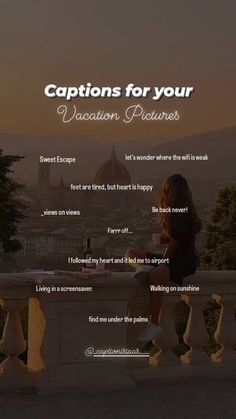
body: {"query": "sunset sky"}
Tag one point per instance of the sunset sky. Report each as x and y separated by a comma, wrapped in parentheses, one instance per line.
(152, 43)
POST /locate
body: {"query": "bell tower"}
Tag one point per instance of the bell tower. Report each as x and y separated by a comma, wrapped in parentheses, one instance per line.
(44, 185)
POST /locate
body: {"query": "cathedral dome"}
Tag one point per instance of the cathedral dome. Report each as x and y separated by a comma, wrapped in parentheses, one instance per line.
(112, 171)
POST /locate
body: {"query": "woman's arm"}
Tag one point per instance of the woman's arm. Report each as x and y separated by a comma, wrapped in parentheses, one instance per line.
(135, 253)
(141, 254)
(171, 248)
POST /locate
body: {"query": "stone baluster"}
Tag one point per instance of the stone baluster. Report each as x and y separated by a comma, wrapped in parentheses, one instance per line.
(12, 343)
(136, 308)
(168, 338)
(225, 333)
(195, 335)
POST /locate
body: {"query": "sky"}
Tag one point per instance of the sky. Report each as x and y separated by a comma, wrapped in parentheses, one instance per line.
(150, 43)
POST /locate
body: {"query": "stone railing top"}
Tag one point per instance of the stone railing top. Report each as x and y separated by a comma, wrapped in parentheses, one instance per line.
(23, 285)
(17, 285)
(202, 276)
(213, 281)
(15, 279)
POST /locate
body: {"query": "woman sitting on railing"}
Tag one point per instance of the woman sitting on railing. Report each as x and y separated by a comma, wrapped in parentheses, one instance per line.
(180, 224)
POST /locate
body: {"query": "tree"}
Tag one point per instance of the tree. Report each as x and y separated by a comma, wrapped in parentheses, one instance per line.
(11, 209)
(220, 237)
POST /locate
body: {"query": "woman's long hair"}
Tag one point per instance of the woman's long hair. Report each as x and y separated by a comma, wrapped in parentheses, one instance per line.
(176, 193)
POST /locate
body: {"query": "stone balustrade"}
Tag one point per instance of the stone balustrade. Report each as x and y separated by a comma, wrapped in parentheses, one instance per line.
(63, 348)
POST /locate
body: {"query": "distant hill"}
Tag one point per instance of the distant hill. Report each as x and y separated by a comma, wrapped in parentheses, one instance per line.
(219, 145)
